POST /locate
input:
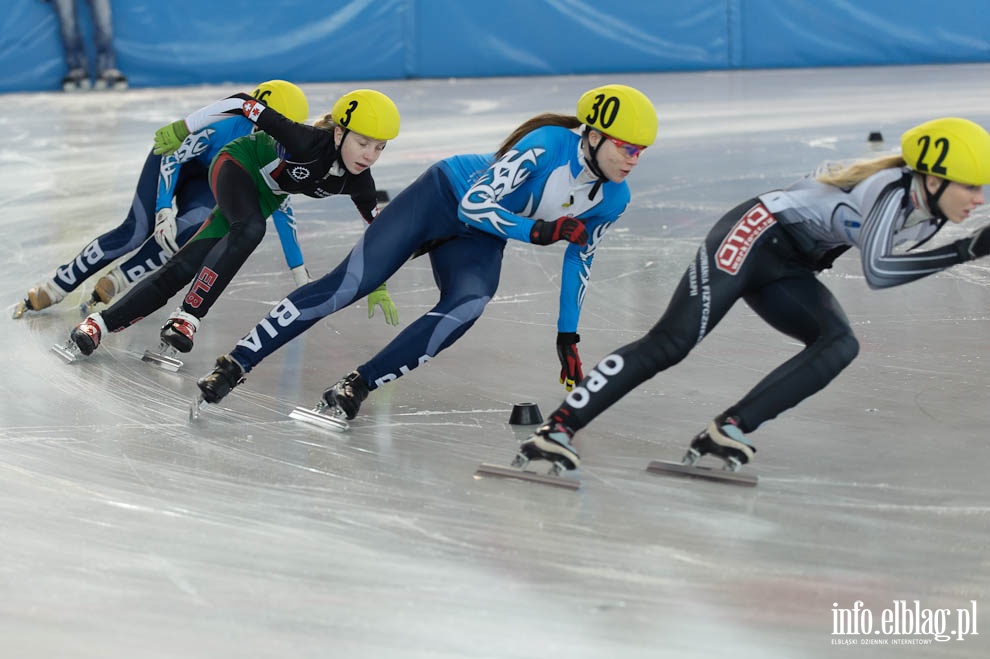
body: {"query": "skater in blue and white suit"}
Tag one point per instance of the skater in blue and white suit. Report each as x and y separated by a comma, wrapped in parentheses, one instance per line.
(171, 202)
(546, 183)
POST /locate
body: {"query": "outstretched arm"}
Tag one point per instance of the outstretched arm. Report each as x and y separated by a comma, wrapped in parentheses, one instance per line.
(285, 225)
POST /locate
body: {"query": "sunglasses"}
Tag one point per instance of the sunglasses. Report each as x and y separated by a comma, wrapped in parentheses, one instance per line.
(631, 150)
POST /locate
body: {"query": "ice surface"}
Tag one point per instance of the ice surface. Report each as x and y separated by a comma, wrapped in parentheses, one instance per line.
(130, 531)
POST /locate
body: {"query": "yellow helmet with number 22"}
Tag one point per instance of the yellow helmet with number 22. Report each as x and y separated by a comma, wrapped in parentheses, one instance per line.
(621, 112)
(950, 148)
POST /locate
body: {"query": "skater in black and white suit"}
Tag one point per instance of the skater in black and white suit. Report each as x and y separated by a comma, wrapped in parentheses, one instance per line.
(767, 252)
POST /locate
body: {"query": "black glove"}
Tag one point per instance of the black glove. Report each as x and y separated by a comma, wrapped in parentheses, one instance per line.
(977, 245)
(570, 361)
(566, 228)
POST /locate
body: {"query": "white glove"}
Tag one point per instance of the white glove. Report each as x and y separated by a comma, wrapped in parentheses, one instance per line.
(301, 275)
(165, 230)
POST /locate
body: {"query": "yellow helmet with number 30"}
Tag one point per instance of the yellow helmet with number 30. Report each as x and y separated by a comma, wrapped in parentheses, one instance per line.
(621, 112)
(950, 148)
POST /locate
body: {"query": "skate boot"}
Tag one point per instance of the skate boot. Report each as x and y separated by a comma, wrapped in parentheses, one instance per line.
(551, 442)
(339, 403)
(724, 440)
(40, 297)
(84, 339)
(179, 330)
(111, 79)
(76, 80)
(347, 395)
(106, 288)
(225, 376)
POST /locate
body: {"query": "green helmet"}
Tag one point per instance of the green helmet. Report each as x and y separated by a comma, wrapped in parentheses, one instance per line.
(620, 112)
(285, 98)
(368, 112)
(950, 148)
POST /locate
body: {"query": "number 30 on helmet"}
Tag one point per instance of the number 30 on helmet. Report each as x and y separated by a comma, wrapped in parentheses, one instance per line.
(285, 98)
(621, 112)
(950, 148)
(368, 112)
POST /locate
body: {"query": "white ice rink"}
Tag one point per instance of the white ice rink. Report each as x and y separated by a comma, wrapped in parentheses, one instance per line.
(128, 531)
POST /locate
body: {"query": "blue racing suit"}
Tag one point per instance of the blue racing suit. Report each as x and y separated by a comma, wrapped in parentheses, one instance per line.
(461, 211)
(182, 176)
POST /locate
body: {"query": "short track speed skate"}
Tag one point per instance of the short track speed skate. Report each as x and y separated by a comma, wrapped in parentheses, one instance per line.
(328, 417)
(164, 358)
(517, 469)
(551, 443)
(68, 351)
(340, 403)
(83, 340)
(721, 439)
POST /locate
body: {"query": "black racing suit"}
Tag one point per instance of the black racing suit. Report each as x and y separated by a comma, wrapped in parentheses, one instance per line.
(767, 251)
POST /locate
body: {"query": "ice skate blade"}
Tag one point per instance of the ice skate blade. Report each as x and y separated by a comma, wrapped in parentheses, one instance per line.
(314, 418)
(19, 310)
(662, 466)
(164, 362)
(197, 406)
(67, 351)
(565, 482)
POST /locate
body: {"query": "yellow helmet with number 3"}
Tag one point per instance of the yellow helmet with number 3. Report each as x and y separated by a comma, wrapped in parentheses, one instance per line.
(950, 148)
(285, 98)
(621, 112)
(368, 112)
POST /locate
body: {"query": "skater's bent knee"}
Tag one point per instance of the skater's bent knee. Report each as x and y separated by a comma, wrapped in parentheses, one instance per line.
(663, 348)
(847, 348)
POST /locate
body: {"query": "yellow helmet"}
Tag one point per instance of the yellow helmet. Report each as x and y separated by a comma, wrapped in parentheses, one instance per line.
(370, 113)
(621, 112)
(950, 148)
(285, 98)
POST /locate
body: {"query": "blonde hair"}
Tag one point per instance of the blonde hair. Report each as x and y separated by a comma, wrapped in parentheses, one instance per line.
(528, 126)
(847, 175)
(326, 122)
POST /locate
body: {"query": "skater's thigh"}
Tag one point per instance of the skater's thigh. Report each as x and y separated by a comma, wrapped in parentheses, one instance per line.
(423, 212)
(702, 298)
(236, 193)
(195, 194)
(468, 266)
(800, 307)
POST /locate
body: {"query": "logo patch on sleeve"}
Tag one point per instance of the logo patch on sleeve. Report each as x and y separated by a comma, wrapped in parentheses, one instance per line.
(252, 109)
(736, 245)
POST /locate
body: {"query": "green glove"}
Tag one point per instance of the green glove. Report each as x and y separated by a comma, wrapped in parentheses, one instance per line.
(169, 138)
(380, 297)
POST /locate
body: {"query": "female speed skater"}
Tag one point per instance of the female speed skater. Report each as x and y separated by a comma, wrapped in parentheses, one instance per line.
(547, 182)
(767, 252)
(171, 202)
(250, 178)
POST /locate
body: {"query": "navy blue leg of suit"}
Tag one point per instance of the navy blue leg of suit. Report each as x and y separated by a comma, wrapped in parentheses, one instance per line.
(126, 237)
(195, 201)
(423, 212)
(467, 271)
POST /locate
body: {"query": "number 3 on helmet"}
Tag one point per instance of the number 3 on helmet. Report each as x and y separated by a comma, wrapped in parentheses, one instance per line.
(950, 148)
(368, 112)
(285, 98)
(621, 112)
